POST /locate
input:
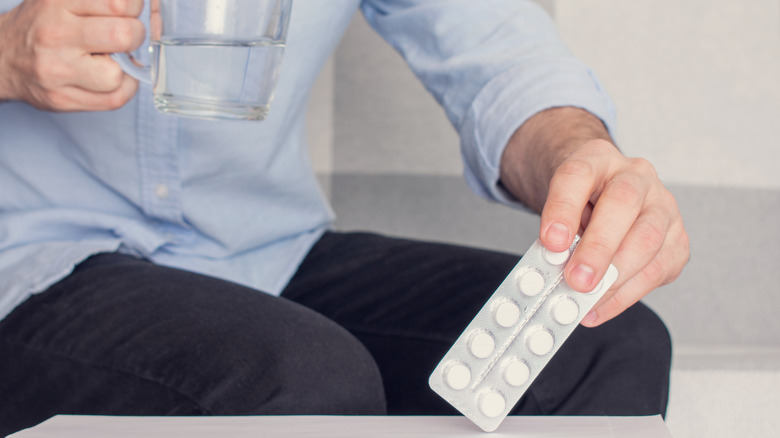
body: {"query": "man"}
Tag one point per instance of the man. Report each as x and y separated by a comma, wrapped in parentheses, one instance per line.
(134, 246)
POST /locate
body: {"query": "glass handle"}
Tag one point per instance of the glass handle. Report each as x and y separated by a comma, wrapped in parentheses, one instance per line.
(132, 67)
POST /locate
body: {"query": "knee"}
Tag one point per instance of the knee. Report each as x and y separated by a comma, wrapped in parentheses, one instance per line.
(618, 368)
(645, 338)
(315, 368)
(642, 349)
(327, 373)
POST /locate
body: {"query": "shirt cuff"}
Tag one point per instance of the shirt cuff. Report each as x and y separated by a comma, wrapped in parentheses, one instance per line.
(511, 98)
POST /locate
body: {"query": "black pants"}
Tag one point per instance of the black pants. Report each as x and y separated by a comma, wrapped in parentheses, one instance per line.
(357, 331)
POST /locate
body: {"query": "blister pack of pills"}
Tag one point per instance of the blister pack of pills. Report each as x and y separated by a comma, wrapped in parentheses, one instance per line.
(513, 336)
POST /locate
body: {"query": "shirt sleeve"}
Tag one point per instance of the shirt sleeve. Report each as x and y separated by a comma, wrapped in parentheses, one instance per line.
(7, 5)
(491, 64)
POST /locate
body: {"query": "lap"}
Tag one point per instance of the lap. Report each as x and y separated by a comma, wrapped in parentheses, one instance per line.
(125, 336)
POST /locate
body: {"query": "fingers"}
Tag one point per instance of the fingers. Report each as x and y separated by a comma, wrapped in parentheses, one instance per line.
(92, 70)
(61, 82)
(570, 190)
(665, 266)
(70, 99)
(82, 64)
(119, 8)
(619, 204)
(101, 35)
(99, 74)
(643, 242)
(110, 34)
(626, 217)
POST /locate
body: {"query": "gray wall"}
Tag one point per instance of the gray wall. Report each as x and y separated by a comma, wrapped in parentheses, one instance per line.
(697, 86)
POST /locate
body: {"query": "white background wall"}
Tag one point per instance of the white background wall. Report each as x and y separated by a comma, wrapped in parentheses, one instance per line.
(697, 82)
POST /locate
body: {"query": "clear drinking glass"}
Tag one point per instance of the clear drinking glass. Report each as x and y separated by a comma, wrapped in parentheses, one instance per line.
(214, 59)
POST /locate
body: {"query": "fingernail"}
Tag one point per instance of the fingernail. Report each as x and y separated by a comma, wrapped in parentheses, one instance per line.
(589, 319)
(558, 234)
(582, 276)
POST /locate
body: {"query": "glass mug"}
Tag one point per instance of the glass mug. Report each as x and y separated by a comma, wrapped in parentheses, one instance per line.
(213, 59)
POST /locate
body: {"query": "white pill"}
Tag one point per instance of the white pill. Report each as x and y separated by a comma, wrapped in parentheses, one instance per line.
(531, 282)
(492, 404)
(598, 287)
(507, 314)
(565, 311)
(609, 278)
(516, 373)
(555, 258)
(457, 376)
(481, 345)
(541, 342)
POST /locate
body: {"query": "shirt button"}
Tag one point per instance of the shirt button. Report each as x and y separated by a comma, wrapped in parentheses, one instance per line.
(162, 191)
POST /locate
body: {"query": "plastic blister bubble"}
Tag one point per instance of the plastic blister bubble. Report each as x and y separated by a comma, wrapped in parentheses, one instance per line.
(518, 330)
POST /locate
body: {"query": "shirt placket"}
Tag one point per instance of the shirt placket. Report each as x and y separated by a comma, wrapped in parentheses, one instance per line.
(158, 159)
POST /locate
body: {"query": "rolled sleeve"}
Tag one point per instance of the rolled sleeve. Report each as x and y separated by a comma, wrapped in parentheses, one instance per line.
(510, 99)
(492, 64)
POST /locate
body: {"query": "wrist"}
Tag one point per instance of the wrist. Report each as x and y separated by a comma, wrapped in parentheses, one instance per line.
(541, 144)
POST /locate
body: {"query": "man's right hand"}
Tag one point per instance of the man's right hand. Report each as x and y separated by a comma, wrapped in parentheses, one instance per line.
(55, 53)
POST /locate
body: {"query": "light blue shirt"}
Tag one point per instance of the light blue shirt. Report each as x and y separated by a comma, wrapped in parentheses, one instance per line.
(239, 200)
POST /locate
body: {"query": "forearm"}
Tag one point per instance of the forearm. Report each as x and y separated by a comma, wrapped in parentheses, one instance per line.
(5, 82)
(540, 145)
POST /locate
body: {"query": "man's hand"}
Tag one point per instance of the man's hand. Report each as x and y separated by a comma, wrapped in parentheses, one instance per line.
(562, 162)
(54, 53)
